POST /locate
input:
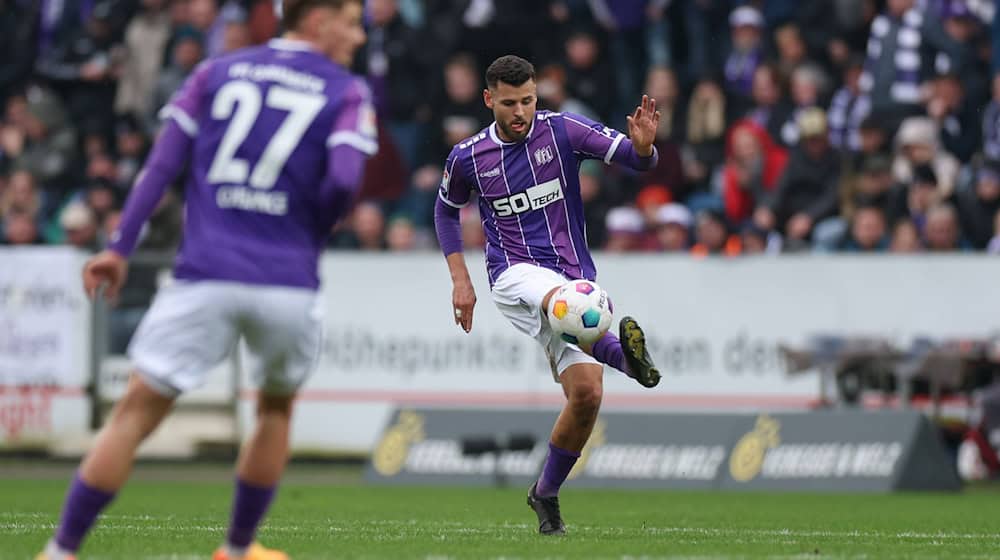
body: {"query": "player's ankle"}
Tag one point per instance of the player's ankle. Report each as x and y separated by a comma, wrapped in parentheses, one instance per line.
(55, 552)
(235, 552)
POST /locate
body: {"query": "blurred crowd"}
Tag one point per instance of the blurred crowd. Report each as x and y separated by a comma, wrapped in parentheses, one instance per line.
(835, 125)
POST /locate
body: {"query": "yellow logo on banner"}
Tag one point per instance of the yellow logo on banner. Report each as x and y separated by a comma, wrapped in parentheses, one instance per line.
(597, 438)
(391, 453)
(748, 454)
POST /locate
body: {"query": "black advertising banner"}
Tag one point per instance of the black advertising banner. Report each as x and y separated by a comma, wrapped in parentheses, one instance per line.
(818, 451)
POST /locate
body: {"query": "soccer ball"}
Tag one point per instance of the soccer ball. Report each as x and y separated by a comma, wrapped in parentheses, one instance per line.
(580, 312)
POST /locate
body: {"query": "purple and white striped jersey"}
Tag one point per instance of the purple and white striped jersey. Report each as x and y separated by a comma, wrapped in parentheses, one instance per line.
(529, 191)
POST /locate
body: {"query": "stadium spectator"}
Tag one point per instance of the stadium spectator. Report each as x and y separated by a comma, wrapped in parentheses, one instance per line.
(712, 236)
(83, 67)
(706, 133)
(994, 246)
(554, 95)
(588, 73)
(37, 137)
(957, 120)
(673, 228)
(991, 120)
(18, 28)
(21, 228)
(770, 109)
(625, 226)
(186, 52)
(398, 64)
(905, 237)
(918, 143)
(662, 84)
(747, 51)
(754, 165)
(848, 109)
(807, 190)
(808, 86)
(21, 195)
(868, 232)
(638, 40)
(80, 225)
(978, 206)
(871, 187)
(791, 48)
(899, 45)
(942, 231)
(146, 39)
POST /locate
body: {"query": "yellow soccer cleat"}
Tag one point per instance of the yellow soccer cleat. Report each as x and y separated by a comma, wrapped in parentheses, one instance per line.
(43, 556)
(255, 552)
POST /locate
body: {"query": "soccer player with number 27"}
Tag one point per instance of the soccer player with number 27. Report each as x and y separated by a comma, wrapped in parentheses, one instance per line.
(275, 139)
(524, 168)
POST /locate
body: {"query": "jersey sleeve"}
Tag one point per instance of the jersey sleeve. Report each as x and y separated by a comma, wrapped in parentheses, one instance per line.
(455, 188)
(592, 139)
(183, 108)
(354, 124)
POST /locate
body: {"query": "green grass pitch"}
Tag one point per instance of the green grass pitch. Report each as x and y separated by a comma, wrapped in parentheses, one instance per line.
(317, 517)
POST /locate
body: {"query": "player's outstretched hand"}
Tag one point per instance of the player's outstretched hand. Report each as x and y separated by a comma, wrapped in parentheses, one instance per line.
(463, 301)
(107, 268)
(642, 125)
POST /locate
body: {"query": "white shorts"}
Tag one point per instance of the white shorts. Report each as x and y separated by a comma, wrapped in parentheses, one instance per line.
(518, 294)
(193, 326)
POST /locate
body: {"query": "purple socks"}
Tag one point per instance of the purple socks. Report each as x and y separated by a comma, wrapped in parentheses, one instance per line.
(557, 467)
(249, 506)
(608, 350)
(83, 504)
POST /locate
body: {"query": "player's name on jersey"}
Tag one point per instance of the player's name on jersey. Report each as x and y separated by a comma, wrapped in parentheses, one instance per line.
(252, 200)
(280, 74)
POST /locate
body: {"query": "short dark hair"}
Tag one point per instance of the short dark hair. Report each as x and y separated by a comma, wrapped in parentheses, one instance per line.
(509, 69)
(294, 11)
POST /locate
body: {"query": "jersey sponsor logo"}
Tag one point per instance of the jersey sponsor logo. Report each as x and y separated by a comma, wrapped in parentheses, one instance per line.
(534, 198)
(471, 141)
(495, 172)
(543, 155)
(609, 132)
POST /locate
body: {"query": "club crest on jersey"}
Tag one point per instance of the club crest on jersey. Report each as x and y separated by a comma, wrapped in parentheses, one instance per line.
(445, 181)
(543, 155)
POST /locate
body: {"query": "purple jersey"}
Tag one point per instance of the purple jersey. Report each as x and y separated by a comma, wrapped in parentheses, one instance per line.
(264, 122)
(529, 191)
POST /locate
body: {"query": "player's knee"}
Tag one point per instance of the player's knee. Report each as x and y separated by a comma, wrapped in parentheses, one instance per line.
(141, 409)
(586, 396)
(280, 405)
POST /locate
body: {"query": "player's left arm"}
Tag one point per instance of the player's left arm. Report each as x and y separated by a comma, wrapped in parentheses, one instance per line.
(593, 140)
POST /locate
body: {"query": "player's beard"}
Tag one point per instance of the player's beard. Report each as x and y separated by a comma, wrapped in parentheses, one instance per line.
(508, 130)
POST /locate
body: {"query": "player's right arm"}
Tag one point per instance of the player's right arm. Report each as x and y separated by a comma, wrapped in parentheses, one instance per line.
(351, 142)
(455, 193)
(166, 160)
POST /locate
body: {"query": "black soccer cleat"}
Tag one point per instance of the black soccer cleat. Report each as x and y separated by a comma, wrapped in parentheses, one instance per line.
(640, 365)
(547, 509)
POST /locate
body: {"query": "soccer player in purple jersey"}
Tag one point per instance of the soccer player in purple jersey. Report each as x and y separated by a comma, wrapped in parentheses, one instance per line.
(524, 168)
(274, 139)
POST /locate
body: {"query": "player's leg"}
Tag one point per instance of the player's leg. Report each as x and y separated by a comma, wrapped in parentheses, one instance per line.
(183, 336)
(258, 470)
(107, 465)
(283, 335)
(581, 379)
(631, 358)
